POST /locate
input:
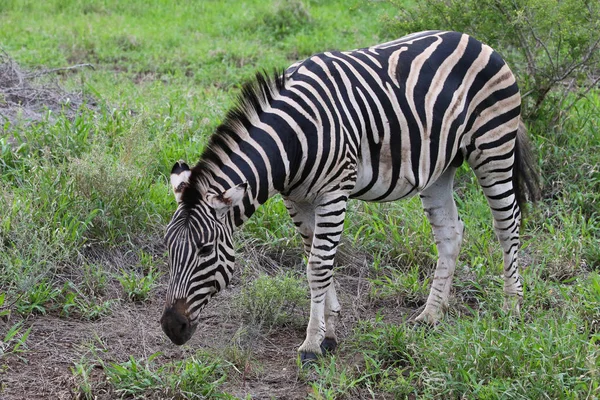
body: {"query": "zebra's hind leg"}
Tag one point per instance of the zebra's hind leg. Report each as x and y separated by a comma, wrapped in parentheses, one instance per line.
(494, 174)
(440, 208)
(303, 215)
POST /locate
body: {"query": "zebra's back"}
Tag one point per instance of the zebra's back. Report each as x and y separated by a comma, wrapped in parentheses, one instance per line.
(401, 112)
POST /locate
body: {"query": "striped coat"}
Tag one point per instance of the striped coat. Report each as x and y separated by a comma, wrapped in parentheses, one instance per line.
(377, 124)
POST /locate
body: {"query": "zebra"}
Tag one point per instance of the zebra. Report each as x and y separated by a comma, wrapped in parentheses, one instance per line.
(378, 124)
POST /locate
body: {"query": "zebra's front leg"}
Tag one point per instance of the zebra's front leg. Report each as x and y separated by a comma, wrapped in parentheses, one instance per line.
(441, 212)
(324, 306)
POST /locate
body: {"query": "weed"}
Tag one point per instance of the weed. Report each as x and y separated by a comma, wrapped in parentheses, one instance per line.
(406, 286)
(194, 377)
(133, 377)
(337, 381)
(4, 310)
(136, 287)
(81, 372)
(75, 304)
(199, 375)
(13, 339)
(95, 279)
(39, 299)
(239, 355)
(270, 302)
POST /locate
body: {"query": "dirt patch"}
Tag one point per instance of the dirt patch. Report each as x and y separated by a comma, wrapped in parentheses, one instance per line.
(30, 96)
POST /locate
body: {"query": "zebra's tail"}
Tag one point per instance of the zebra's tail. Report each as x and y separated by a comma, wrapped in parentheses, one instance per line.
(526, 177)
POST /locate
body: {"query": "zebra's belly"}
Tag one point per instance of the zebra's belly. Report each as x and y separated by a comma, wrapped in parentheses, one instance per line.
(382, 187)
(392, 176)
(383, 184)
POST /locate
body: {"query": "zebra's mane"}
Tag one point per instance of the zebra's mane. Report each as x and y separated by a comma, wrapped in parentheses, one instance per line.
(255, 95)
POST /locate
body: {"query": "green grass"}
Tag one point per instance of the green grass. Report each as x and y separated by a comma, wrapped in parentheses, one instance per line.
(84, 202)
(269, 302)
(196, 377)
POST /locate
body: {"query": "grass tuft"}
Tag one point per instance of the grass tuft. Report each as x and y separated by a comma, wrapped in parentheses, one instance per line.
(270, 302)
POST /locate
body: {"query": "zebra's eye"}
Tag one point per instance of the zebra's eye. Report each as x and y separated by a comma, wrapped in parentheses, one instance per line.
(205, 250)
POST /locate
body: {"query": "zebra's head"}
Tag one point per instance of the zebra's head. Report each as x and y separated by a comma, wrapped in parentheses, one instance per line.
(200, 247)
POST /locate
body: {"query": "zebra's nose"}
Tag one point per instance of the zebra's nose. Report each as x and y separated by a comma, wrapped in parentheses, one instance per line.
(176, 324)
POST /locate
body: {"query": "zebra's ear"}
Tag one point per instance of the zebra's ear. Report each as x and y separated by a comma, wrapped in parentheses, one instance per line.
(229, 198)
(180, 178)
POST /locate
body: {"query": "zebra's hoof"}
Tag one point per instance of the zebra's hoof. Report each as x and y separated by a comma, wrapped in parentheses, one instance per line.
(328, 345)
(426, 317)
(307, 358)
(426, 322)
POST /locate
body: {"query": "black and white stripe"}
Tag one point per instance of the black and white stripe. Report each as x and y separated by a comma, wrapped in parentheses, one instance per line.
(378, 124)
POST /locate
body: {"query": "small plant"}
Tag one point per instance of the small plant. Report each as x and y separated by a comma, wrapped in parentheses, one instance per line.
(196, 377)
(134, 378)
(239, 353)
(138, 288)
(90, 310)
(95, 279)
(14, 338)
(271, 301)
(336, 381)
(407, 287)
(84, 308)
(38, 299)
(4, 310)
(392, 345)
(81, 371)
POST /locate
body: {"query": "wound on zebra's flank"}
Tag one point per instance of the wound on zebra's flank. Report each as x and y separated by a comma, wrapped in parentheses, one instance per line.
(229, 198)
(180, 177)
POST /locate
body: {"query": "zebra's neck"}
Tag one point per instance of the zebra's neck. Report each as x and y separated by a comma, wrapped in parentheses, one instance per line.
(257, 144)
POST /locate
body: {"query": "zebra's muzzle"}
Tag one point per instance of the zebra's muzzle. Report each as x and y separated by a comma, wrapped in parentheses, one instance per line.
(176, 324)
